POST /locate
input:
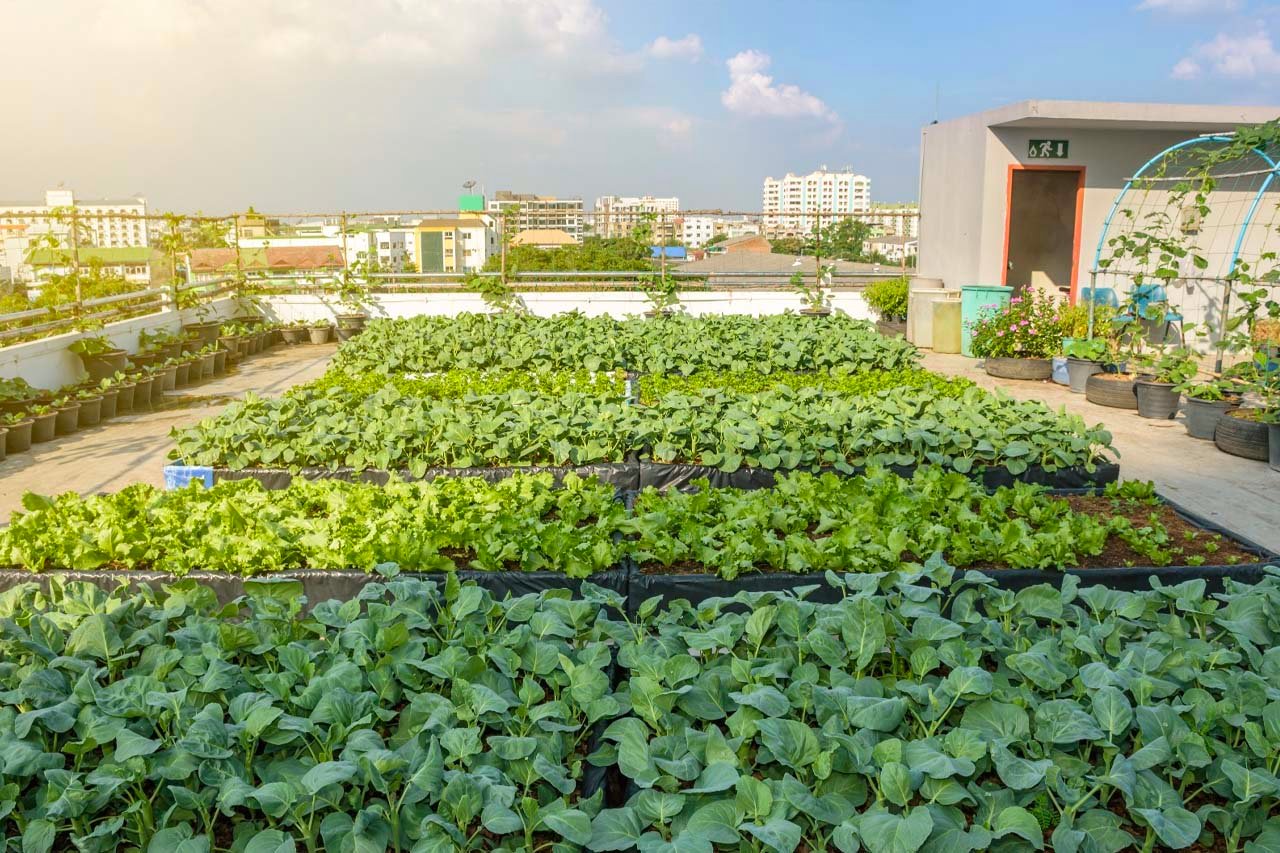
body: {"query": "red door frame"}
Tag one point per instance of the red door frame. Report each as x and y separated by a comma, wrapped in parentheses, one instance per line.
(1075, 240)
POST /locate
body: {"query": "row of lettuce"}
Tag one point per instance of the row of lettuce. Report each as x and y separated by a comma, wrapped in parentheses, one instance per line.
(679, 343)
(580, 527)
(963, 429)
(921, 712)
(780, 393)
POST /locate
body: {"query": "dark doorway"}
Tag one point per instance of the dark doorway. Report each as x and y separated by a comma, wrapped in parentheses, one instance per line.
(1042, 239)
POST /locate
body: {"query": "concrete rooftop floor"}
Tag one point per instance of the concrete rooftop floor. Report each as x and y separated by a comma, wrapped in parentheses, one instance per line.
(1239, 494)
(133, 448)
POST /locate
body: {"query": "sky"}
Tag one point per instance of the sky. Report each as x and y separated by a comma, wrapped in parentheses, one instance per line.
(325, 105)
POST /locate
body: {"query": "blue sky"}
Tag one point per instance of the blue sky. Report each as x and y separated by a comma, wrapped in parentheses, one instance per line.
(299, 105)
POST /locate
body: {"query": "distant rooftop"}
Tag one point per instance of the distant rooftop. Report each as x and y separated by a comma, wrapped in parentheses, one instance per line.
(109, 256)
(1119, 115)
(543, 237)
(267, 258)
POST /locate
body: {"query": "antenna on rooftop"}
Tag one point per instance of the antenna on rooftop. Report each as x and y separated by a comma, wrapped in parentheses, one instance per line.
(937, 96)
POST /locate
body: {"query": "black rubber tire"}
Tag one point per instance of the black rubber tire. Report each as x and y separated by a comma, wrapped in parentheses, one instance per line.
(1114, 393)
(1019, 368)
(1243, 438)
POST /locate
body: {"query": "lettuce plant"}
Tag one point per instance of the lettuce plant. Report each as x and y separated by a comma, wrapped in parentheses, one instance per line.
(418, 717)
(929, 712)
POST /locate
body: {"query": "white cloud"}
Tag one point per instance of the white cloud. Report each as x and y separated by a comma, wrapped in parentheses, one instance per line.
(672, 123)
(753, 92)
(689, 47)
(1187, 7)
(1227, 55)
(372, 32)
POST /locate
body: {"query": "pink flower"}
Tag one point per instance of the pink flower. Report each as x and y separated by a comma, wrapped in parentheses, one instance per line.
(1000, 334)
(1015, 300)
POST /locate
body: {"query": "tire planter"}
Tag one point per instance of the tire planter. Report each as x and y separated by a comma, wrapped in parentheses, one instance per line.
(68, 419)
(1111, 389)
(1156, 400)
(1078, 372)
(1244, 438)
(90, 413)
(18, 438)
(124, 396)
(319, 334)
(105, 365)
(1019, 368)
(1203, 416)
(43, 427)
(293, 335)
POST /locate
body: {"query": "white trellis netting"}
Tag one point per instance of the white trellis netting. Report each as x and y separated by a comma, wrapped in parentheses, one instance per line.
(1196, 227)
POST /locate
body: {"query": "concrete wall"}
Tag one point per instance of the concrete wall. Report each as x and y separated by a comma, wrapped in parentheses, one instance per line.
(289, 308)
(47, 363)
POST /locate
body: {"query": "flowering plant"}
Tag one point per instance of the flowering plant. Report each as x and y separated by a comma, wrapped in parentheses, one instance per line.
(1028, 327)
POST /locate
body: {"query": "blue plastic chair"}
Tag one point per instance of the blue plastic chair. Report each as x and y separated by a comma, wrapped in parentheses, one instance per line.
(1141, 298)
(1103, 296)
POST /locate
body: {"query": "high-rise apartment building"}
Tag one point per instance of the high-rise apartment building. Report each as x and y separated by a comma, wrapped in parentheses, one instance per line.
(616, 216)
(791, 204)
(103, 223)
(539, 211)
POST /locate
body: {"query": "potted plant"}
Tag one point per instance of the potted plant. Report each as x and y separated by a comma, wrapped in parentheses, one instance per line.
(100, 357)
(1157, 384)
(295, 332)
(814, 299)
(661, 291)
(16, 394)
(68, 420)
(319, 332)
(90, 411)
(18, 437)
(109, 391)
(1017, 341)
(353, 298)
(204, 330)
(887, 298)
(143, 385)
(181, 372)
(219, 359)
(124, 387)
(207, 359)
(44, 422)
(1206, 402)
(166, 374)
(1085, 357)
(163, 343)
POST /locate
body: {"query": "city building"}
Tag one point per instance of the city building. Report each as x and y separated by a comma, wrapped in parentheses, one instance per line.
(995, 209)
(892, 248)
(104, 223)
(539, 211)
(898, 220)
(617, 216)
(544, 238)
(394, 249)
(698, 229)
(141, 265)
(459, 245)
(791, 204)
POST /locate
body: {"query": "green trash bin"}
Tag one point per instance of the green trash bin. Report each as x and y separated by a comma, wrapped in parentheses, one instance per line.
(974, 299)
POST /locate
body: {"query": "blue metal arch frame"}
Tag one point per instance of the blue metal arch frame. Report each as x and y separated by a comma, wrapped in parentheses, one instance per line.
(1128, 184)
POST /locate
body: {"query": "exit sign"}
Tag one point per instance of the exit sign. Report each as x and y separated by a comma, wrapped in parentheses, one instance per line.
(1047, 149)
